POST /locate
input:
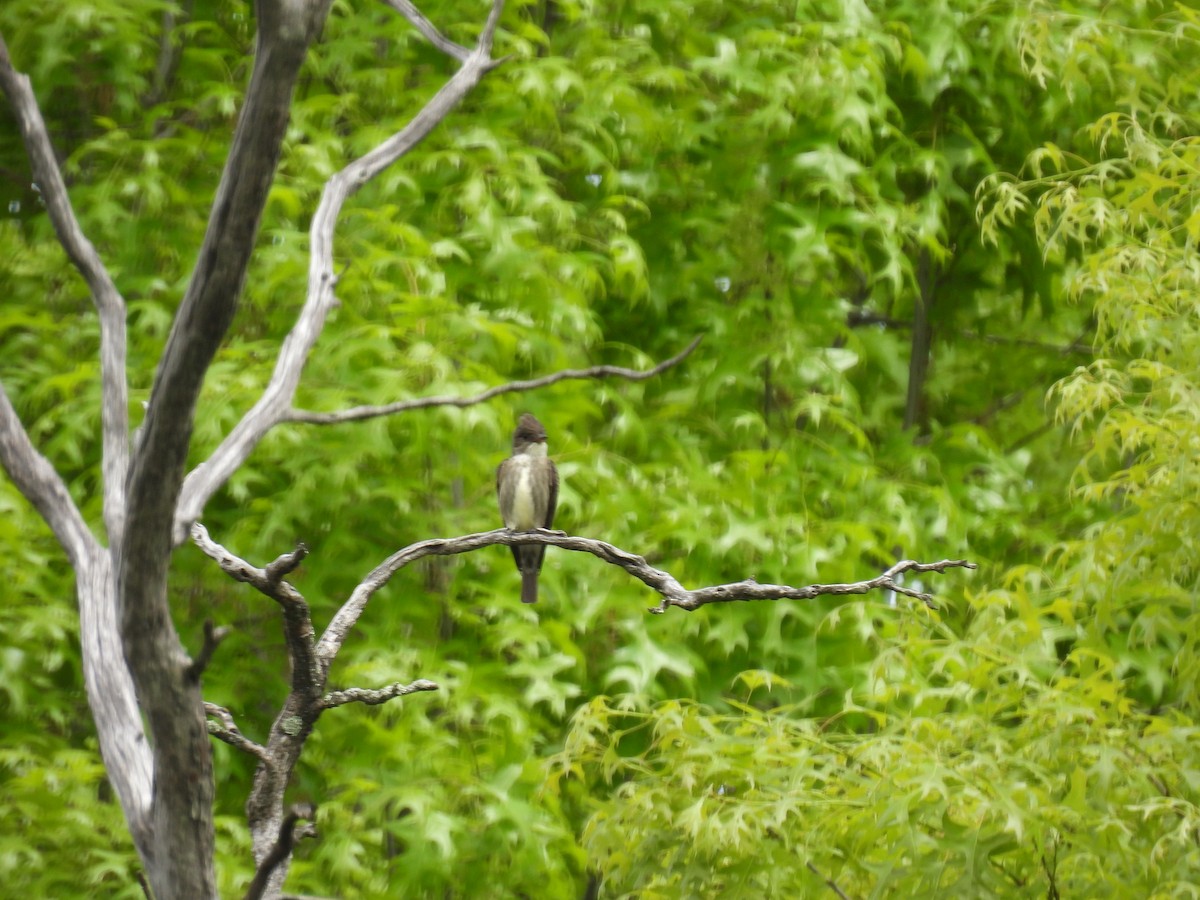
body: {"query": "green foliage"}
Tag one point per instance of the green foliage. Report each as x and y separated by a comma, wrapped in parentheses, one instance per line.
(968, 764)
(1123, 211)
(769, 175)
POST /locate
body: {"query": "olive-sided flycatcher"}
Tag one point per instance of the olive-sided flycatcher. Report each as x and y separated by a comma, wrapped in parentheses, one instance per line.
(527, 485)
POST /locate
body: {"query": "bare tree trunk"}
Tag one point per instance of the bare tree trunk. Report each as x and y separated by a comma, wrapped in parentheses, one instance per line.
(165, 785)
(111, 697)
(168, 690)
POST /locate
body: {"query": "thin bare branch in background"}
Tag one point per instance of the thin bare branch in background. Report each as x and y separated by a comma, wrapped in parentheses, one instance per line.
(225, 729)
(428, 30)
(212, 639)
(369, 412)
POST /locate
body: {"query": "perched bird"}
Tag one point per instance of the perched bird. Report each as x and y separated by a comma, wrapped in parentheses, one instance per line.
(527, 487)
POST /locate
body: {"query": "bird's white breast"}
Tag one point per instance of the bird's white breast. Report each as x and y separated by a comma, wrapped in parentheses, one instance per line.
(521, 517)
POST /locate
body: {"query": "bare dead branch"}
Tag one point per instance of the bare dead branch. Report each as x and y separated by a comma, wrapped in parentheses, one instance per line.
(428, 30)
(110, 305)
(268, 581)
(228, 732)
(36, 479)
(368, 412)
(288, 832)
(672, 592)
(275, 402)
(293, 724)
(128, 758)
(752, 590)
(298, 628)
(374, 698)
(212, 640)
(287, 563)
(182, 857)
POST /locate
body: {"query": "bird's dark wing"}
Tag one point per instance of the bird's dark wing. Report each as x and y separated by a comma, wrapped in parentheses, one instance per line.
(503, 502)
(550, 507)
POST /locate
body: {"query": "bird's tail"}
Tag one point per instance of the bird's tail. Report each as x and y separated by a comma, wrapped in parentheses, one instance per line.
(529, 580)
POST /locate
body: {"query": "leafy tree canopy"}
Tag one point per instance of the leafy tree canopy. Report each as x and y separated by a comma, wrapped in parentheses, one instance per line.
(801, 183)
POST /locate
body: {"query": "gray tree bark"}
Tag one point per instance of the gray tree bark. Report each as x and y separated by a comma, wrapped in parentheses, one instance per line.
(135, 668)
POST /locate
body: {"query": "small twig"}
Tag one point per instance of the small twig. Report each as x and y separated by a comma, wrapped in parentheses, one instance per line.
(998, 406)
(1051, 870)
(268, 581)
(373, 698)
(288, 833)
(429, 30)
(358, 413)
(1031, 435)
(228, 732)
(298, 628)
(828, 881)
(286, 564)
(212, 640)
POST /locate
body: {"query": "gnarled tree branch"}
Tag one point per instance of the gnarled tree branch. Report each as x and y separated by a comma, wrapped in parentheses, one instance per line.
(107, 679)
(36, 479)
(288, 832)
(305, 703)
(272, 408)
(184, 842)
(110, 305)
(302, 708)
(267, 581)
(228, 732)
(298, 628)
(374, 698)
(109, 682)
(672, 592)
